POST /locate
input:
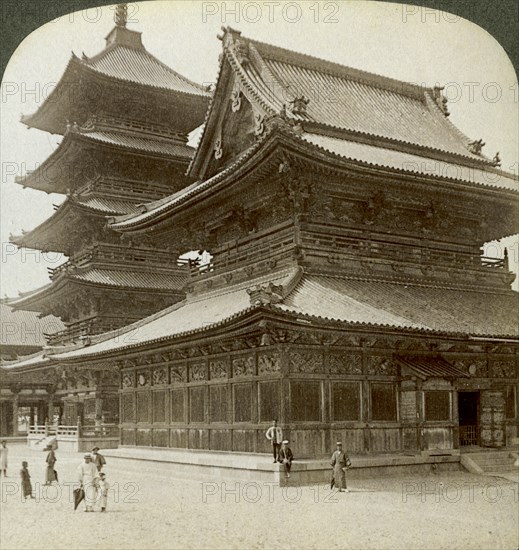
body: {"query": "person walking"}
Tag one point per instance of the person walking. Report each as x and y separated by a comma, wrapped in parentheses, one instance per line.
(285, 456)
(4, 451)
(26, 481)
(89, 478)
(50, 472)
(103, 491)
(98, 459)
(275, 435)
(340, 463)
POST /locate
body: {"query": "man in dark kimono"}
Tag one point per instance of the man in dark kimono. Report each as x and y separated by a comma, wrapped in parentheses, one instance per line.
(340, 462)
(285, 456)
(98, 459)
(50, 473)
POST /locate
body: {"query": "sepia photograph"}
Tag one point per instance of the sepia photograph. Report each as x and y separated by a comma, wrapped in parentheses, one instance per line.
(259, 276)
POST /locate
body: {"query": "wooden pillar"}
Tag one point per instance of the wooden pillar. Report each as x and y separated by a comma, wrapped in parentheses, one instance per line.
(3, 418)
(31, 416)
(16, 406)
(99, 410)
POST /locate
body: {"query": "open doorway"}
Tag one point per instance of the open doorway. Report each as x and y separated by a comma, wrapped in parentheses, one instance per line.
(468, 413)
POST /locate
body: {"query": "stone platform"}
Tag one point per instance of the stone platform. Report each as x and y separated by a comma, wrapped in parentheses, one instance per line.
(221, 466)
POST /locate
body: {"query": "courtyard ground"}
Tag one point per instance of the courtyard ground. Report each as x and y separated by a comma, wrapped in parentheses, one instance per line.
(148, 508)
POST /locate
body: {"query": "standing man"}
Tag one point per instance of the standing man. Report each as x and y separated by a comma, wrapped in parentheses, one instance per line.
(3, 458)
(98, 459)
(50, 472)
(285, 456)
(275, 436)
(88, 477)
(340, 463)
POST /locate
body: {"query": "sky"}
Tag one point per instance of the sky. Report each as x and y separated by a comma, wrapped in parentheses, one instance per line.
(405, 42)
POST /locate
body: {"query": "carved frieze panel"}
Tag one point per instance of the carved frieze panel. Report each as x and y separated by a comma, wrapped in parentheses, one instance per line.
(344, 363)
(160, 376)
(197, 372)
(473, 367)
(178, 374)
(243, 366)
(308, 362)
(218, 368)
(143, 378)
(379, 365)
(503, 369)
(128, 380)
(269, 363)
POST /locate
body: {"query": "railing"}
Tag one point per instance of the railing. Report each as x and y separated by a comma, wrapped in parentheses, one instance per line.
(116, 255)
(120, 188)
(468, 435)
(87, 327)
(345, 245)
(79, 430)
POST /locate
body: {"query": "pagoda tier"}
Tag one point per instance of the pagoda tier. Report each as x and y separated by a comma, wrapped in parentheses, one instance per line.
(107, 286)
(123, 77)
(105, 148)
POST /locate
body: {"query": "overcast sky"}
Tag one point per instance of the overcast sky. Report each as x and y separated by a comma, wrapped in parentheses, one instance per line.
(408, 43)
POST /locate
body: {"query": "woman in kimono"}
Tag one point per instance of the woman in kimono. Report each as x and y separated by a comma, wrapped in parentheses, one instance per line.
(340, 462)
(26, 481)
(50, 473)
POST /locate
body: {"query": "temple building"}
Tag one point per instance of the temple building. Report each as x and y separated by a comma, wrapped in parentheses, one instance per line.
(346, 293)
(125, 119)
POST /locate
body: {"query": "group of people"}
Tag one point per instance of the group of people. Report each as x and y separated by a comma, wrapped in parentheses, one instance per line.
(282, 453)
(92, 480)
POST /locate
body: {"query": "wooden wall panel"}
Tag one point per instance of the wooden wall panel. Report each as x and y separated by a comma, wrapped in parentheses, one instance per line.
(243, 440)
(220, 440)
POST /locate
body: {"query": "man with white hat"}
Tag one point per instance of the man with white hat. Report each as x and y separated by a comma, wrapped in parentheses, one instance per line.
(88, 477)
(285, 456)
(340, 463)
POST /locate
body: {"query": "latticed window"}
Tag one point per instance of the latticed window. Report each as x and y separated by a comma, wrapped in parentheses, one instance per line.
(510, 401)
(346, 401)
(159, 406)
(269, 398)
(305, 400)
(196, 404)
(218, 396)
(437, 405)
(383, 402)
(128, 407)
(143, 404)
(177, 405)
(242, 402)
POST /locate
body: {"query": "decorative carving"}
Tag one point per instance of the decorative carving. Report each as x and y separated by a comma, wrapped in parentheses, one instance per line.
(143, 378)
(177, 374)
(260, 124)
(240, 49)
(218, 368)
(476, 146)
(440, 100)
(236, 96)
(197, 372)
(298, 105)
(371, 209)
(268, 363)
(128, 380)
(306, 362)
(265, 295)
(379, 365)
(503, 369)
(160, 376)
(218, 149)
(474, 367)
(344, 363)
(496, 161)
(243, 366)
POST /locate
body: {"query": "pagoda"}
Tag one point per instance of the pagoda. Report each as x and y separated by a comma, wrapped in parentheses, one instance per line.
(347, 294)
(125, 118)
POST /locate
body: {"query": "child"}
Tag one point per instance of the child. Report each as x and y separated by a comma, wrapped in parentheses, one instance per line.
(26, 482)
(103, 490)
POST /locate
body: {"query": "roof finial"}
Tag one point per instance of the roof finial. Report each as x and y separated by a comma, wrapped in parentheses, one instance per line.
(121, 15)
